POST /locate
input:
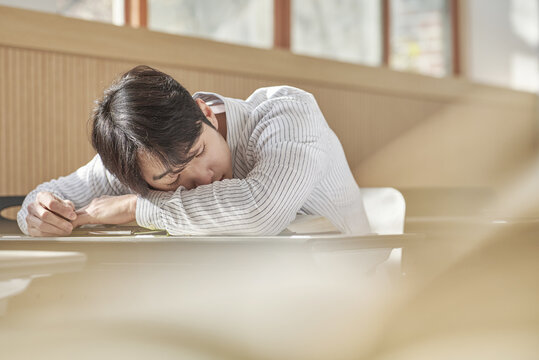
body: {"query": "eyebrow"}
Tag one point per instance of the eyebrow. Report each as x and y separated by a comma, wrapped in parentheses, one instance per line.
(159, 177)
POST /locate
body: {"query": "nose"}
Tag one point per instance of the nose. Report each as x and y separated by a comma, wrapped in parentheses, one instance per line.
(202, 176)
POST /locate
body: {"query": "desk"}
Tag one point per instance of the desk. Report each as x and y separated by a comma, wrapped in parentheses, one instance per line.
(21, 264)
(228, 250)
(263, 298)
(452, 237)
(450, 225)
(18, 268)
(232, 297)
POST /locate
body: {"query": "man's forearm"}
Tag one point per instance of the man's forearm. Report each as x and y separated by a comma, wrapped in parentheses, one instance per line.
(108, 210)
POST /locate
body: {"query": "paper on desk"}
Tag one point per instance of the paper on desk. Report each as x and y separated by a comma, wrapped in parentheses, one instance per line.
(115, 230)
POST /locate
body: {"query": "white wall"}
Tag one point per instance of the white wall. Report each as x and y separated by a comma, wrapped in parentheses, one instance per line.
(501, 39)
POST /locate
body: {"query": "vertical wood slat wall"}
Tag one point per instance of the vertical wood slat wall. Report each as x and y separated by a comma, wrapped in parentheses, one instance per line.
(391, 138)
(46, 101)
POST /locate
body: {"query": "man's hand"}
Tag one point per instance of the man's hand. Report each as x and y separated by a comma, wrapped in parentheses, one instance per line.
(108, 210)
(50, 216)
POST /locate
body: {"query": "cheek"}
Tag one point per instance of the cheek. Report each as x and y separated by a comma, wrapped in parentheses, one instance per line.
(156, 186)
(166, 187)
(160, 187)
(225, 152)
(222, 159)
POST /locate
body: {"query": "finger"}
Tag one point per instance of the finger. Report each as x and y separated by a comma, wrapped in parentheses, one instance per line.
(70, 203)
(38, 228)
(36, 209)
(51, 218)
(41, 227)
(53, 203)
(56, 205)
(32, 209)
(83, 218)
(47, 216)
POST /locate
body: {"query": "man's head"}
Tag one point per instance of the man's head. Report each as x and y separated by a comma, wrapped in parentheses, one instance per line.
(150, 133)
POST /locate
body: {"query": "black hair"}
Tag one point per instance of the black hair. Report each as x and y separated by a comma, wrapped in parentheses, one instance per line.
(148, 111)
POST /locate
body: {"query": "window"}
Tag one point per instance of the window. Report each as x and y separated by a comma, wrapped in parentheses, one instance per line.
(420, 36)
(110, 11)
(346, 30)
(502, 44)
(246, 22)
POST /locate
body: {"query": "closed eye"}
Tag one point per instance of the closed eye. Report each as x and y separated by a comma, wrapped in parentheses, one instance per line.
(177, 172)
(178, 177)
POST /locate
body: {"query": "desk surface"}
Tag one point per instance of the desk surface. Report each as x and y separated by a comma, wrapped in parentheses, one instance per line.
(457, 226)
(318, 241)
(227, 252)
(18, 264)
(480, 220)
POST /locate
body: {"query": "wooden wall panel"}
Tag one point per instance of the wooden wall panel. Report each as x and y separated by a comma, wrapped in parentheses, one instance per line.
(46, 100)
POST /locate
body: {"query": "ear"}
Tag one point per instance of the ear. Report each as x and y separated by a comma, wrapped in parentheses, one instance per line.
(208, 113)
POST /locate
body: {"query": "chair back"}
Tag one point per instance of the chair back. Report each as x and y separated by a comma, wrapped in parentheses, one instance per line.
(385, 208)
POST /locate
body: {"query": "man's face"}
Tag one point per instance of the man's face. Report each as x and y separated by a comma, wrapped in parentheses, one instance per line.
(212, 162)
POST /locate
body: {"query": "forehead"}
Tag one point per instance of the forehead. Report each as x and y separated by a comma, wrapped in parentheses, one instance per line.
(150, 163)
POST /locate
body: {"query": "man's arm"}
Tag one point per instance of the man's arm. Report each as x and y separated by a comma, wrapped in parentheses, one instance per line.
(50, 209)
(289, 153)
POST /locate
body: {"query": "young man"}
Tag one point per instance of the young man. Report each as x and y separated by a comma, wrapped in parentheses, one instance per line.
(205, 164)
